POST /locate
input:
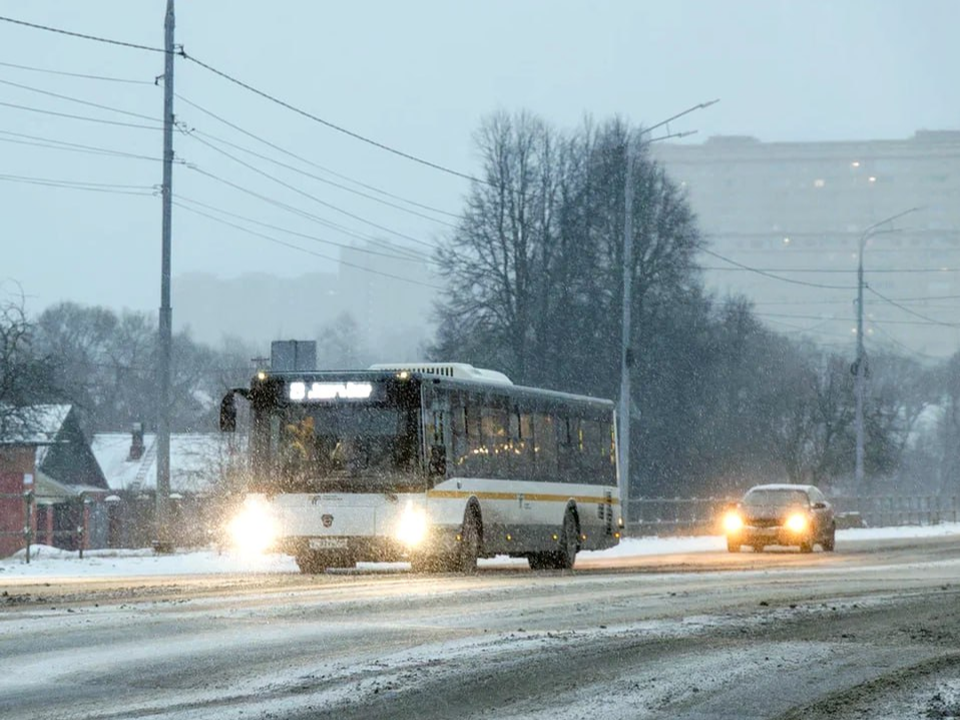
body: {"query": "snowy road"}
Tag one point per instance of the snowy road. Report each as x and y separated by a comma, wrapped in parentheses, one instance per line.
(873, 630)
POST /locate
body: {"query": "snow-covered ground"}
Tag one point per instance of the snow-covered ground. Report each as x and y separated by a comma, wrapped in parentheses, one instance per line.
(47, 561)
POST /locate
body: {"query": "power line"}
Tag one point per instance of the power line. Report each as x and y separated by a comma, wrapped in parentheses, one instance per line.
(78, 100)
(318, 178)
(307, 195)
(840, 319)
(405, 258)
(798, 329)
(847, 301)
(928, 297)
(81, 36)
(306, 161)
(80, 117)
(777, 277)
(53, 144)
(80, 185)
(250, 88)
(76, 75)
(304, 250)
(909, 350)
(832, 270)
(304, 214)
(327, 123)
(907, 310)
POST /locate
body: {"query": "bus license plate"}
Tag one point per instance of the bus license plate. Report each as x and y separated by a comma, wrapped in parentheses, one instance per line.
(328, 543)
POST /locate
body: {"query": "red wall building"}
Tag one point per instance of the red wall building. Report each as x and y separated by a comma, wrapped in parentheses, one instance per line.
(16, 464)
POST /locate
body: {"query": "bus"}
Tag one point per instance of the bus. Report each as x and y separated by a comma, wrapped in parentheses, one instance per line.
(438, 464)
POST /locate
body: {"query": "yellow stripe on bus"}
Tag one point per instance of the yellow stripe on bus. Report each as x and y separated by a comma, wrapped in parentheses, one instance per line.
(458, 494)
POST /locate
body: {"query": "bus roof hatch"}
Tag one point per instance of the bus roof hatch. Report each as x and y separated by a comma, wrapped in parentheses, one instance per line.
(461, 371)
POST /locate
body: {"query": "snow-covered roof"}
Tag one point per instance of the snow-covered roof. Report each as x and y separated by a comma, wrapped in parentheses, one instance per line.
(35, 425)
(197, 461)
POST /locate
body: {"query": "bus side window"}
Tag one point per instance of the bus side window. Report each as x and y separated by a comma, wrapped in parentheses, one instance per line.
(473, 458)
(611, 472)
(545, 447)
(521, 456)
(568, 430)
(594, 460)
(458, 430)
(495, 427)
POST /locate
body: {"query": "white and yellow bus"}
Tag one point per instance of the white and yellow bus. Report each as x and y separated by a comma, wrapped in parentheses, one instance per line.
(438, 464)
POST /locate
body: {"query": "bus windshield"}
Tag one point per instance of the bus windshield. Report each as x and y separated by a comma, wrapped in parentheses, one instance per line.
(344, 447)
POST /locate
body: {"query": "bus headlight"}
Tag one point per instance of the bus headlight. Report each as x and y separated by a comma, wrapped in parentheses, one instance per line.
(253, 529)
(412, 528)
(797, 523)
(732, 523)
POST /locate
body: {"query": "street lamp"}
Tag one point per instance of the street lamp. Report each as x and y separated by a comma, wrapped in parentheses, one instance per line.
(859, 365)
(626, 352)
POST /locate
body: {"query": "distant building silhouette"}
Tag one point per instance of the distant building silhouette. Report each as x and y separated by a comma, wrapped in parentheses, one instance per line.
(392, 315)
(786, 207)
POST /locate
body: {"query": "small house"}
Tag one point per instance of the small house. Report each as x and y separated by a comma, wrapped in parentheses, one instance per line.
(200, 472)
(52, 490)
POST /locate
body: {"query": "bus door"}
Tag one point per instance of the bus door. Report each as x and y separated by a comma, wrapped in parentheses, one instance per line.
(436, 433)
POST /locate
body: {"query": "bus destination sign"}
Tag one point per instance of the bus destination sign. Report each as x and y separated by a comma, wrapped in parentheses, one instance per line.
(300, 391)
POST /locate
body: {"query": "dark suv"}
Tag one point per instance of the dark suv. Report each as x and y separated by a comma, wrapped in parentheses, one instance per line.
(781, 515)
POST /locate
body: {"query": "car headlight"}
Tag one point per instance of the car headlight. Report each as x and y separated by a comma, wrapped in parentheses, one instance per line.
(253, 529)
(797, 523)
(412, 528)
(732, 522)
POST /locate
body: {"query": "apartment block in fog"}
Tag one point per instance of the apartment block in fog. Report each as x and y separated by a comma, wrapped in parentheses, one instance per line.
(798, 211)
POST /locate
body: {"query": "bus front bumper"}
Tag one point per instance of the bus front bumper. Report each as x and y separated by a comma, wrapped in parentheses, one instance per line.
(370, 549)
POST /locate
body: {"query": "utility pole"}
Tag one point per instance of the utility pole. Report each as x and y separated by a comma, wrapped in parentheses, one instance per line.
(860, 368)
(860, 365)
(627, 354)
(626, 351)
(164, 541)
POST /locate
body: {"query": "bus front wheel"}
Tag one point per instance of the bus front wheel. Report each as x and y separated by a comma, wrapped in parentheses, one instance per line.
(310, 563)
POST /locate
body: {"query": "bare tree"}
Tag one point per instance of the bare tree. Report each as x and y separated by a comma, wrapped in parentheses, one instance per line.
(106, 364)
(499, 258)
(26, 377)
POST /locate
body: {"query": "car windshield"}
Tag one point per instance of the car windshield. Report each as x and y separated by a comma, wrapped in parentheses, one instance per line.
(775, 498)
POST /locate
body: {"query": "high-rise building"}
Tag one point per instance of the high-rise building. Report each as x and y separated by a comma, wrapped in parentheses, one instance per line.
(795, 213)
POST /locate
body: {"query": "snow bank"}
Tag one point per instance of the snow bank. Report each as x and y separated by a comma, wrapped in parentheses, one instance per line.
(52, 562)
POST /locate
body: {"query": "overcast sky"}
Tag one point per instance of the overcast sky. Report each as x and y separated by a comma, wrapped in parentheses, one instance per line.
(415, 75)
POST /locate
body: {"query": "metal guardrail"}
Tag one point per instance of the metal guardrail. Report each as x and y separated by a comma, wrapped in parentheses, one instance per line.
(701, 516)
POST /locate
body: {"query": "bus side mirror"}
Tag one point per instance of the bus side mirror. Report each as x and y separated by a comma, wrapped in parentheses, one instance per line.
(438, 460)
(228, 413)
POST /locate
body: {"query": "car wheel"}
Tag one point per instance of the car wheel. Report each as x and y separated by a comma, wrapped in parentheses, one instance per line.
(733, 546)
(806, 547)
(829, 542)
(758, 547)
